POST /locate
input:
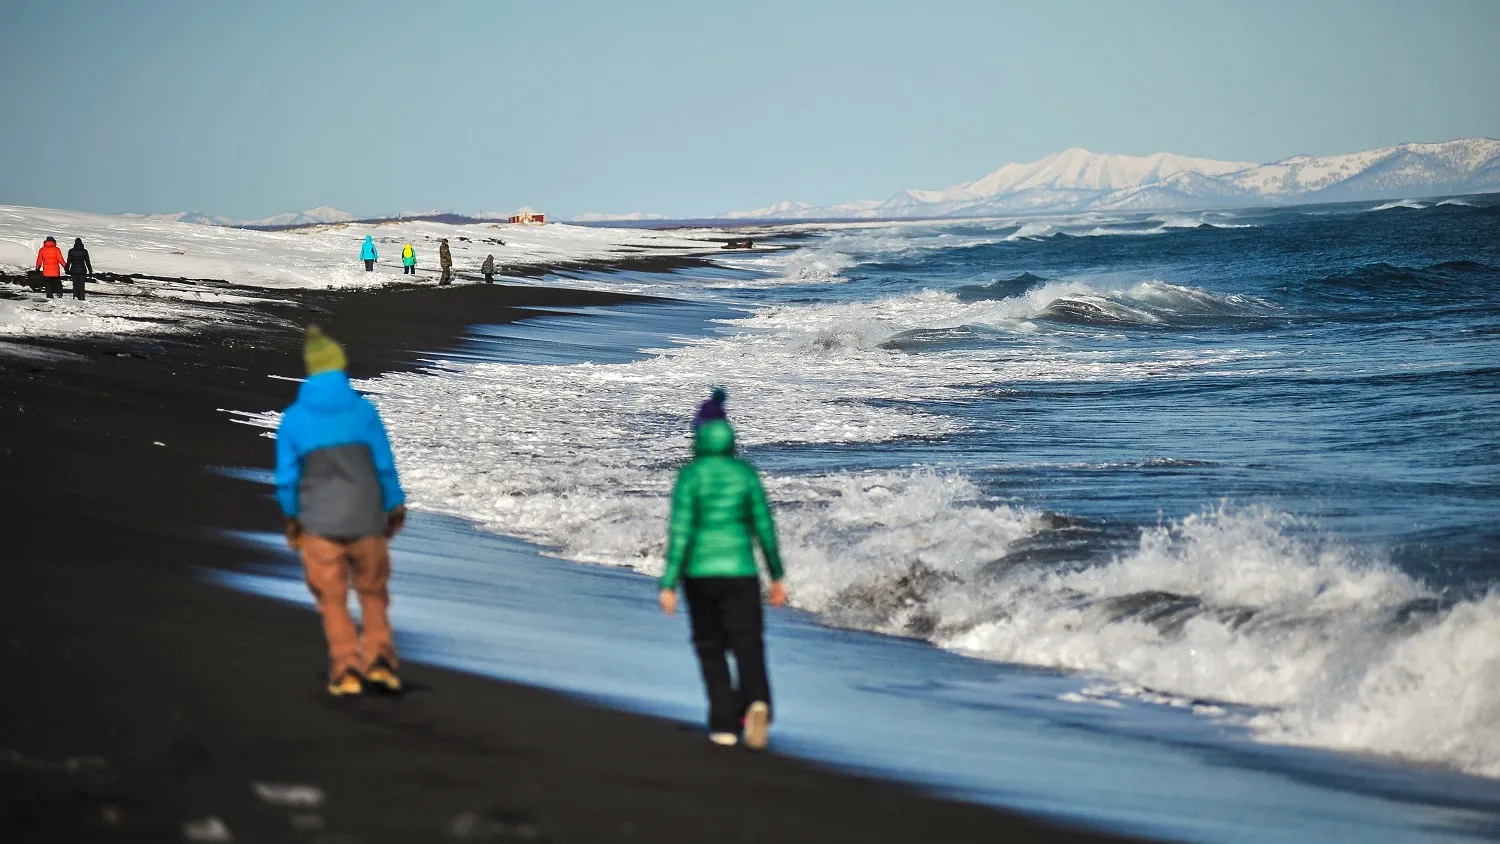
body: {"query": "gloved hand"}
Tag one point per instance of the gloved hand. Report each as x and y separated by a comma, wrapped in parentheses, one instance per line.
(293, 534)
(395, 521)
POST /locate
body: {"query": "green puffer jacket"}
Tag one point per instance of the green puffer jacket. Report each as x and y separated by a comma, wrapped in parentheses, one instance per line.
(719, 511)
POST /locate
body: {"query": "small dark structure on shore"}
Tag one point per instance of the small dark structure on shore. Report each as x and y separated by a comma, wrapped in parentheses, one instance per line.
(739, 243)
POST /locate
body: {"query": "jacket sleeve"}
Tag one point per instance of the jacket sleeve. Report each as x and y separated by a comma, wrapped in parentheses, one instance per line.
(392, 496)
(682, 526)
(288, 469)
(765, 526)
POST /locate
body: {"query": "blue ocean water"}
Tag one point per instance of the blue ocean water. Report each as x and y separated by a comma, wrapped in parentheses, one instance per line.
(1234, 468)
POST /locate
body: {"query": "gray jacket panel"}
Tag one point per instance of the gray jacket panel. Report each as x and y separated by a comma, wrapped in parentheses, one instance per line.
(340, 493)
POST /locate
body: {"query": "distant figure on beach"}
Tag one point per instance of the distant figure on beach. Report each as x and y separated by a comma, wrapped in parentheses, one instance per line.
(368, 254)
(79, 267)
(446, 259)
(51, 262)
(719, 515)
(337, 485)
(488, 268)
(712, 408)
(408, 260)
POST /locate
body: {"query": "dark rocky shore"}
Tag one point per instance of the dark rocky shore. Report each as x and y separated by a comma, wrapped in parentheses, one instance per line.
(139, 697)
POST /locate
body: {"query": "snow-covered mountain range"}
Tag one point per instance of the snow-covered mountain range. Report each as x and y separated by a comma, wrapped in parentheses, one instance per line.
(1079, 180)
(635, 216)
(312, 216)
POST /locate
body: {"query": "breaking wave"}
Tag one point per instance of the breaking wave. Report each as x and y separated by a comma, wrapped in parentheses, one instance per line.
(1244, 607)
(1155, 304)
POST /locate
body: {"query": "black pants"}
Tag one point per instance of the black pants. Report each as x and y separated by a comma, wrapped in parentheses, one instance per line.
(54, 287)
(489, 278)
(408, 269)
(447, 276)
(369, 265)
(78, 287)
(727, 617)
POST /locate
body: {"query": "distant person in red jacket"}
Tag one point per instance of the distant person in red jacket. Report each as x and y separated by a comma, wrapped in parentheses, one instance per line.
(51, 262)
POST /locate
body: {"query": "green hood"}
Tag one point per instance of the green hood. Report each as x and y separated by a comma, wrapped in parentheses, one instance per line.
(719, 514)
(715, 439)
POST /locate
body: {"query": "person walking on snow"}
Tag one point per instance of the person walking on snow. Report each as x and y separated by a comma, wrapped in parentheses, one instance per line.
(719, 514)
(337, 485)
(368, 254)
(408, 260)
(488, 268)
(445, 258)
(51, 262)
(79, 267)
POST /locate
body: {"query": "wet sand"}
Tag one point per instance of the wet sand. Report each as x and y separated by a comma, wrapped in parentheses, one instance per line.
(142, 696)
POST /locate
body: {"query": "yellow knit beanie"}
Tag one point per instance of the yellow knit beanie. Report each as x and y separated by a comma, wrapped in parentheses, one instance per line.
(321, 353)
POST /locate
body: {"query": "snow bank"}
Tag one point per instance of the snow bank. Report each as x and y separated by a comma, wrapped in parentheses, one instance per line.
(319, 257)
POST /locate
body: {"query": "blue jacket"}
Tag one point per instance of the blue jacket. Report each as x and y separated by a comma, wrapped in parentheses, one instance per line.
(367, 252)
(334, 467)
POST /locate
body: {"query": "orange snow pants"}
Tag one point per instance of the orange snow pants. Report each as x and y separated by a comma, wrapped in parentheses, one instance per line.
(330, 565)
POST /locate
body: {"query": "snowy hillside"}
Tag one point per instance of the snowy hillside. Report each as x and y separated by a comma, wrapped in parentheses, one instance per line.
(1079, 180)
(165, 255)
(320, 256)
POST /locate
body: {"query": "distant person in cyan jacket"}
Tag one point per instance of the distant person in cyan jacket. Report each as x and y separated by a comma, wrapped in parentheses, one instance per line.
(79, 267)
(337, 485)
(368, 254)
(719, 515)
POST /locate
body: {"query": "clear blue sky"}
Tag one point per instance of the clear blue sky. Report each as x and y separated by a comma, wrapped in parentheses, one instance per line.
(251, 108)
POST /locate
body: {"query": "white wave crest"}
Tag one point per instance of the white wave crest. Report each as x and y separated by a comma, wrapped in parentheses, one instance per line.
(1400, 203)
(1429, 697)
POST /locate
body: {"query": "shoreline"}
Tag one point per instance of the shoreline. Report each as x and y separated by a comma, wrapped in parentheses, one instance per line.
(153, 698)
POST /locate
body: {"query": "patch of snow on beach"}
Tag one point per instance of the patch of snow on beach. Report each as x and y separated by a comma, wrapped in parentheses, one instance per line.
(34, 315)
(319, 257)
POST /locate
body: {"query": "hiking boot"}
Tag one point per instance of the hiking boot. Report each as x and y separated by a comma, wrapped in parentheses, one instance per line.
(348, 683)
(758, 725)
(724, 739)
(382, 675)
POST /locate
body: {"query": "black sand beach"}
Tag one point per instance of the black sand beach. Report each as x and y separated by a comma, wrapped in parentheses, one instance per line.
(141, 697)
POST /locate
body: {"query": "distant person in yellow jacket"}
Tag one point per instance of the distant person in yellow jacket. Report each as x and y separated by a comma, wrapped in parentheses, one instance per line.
(408, 260)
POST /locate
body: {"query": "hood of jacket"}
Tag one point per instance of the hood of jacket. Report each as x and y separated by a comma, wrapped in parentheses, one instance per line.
(369, 240)
(327, 391)
(714, 439)
(77, 243)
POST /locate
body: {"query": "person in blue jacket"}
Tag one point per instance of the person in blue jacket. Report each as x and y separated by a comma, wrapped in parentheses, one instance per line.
(337, 485)
(368, 254)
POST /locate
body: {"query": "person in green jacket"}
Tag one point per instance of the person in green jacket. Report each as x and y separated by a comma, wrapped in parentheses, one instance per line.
(719, 514)
(408, 260)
